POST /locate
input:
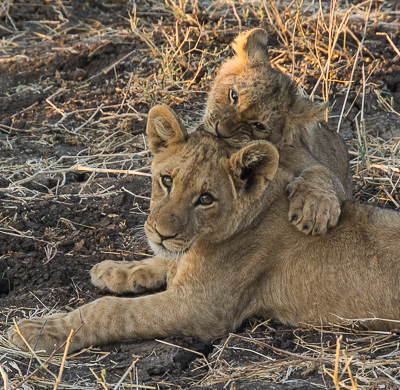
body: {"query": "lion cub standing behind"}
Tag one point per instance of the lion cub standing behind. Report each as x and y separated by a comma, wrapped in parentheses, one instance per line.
(219, 215)
(250, 100)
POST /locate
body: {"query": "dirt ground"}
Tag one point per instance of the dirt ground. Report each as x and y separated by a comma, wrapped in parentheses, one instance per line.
(77, 79)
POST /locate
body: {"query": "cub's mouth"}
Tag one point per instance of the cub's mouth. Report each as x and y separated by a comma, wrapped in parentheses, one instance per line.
(240, 134)
(167, 249)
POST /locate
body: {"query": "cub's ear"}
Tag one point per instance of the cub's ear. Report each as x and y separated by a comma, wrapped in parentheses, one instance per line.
(164, 128)
(252, 46)
(305, 111)
(254, 165)
(302, 113)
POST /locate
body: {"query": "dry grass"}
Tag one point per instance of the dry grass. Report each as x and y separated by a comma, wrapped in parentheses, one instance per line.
(342, 356)
(314, 49)
(323, 46)
(345, 356)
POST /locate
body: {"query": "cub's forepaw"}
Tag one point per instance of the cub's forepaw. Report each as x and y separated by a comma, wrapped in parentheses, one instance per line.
(135, 276)
(113, 276)
(312, 209)
(42, 334)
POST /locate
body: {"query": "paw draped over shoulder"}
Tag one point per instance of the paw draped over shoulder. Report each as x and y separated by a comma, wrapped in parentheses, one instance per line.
(273, 110)
(314, 205)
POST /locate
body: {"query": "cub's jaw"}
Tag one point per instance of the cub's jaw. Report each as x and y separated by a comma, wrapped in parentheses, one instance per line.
(161, 251)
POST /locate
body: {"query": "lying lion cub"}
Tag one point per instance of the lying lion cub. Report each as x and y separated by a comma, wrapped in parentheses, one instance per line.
(249, 100)
(219, 216)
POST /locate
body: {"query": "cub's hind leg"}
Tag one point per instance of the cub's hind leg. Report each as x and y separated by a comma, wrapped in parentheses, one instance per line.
(130, 276)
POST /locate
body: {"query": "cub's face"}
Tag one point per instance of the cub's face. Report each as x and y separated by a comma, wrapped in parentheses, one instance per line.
(249, 100)
(203, 191)
(248, 104)
(192, 197)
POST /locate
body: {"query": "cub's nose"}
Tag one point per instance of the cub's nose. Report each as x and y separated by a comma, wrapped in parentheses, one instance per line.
(218, 132)
(163, 238)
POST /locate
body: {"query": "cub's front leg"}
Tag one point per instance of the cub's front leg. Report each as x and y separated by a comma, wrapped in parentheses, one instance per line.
(133, 276)
(315, 199)
(112, 319)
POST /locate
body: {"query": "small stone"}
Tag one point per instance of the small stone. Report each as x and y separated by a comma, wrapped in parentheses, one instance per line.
(79, 74)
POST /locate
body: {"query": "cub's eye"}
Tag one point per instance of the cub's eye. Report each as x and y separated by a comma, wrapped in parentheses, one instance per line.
(233, 96)
(259, 126)
(166, 181)
(206, 199)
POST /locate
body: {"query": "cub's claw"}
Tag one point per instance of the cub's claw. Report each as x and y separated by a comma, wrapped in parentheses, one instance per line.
(312, 209)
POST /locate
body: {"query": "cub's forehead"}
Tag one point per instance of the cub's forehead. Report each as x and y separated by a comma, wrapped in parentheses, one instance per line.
(203, 148)
(253, 80)
(201, 152)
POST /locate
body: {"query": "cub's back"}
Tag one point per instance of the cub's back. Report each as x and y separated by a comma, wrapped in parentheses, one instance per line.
(352, 272)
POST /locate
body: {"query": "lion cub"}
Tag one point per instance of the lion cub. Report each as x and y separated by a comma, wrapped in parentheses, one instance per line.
(249, 100)
(218, 213)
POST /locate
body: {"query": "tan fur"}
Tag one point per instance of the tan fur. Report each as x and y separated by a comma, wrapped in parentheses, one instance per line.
(267, 96)
(235, 257)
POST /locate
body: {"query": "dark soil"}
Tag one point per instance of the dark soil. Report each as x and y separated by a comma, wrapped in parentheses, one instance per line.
(51, 234)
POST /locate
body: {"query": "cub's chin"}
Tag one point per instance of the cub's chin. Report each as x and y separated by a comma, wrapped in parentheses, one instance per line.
(161, 251)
